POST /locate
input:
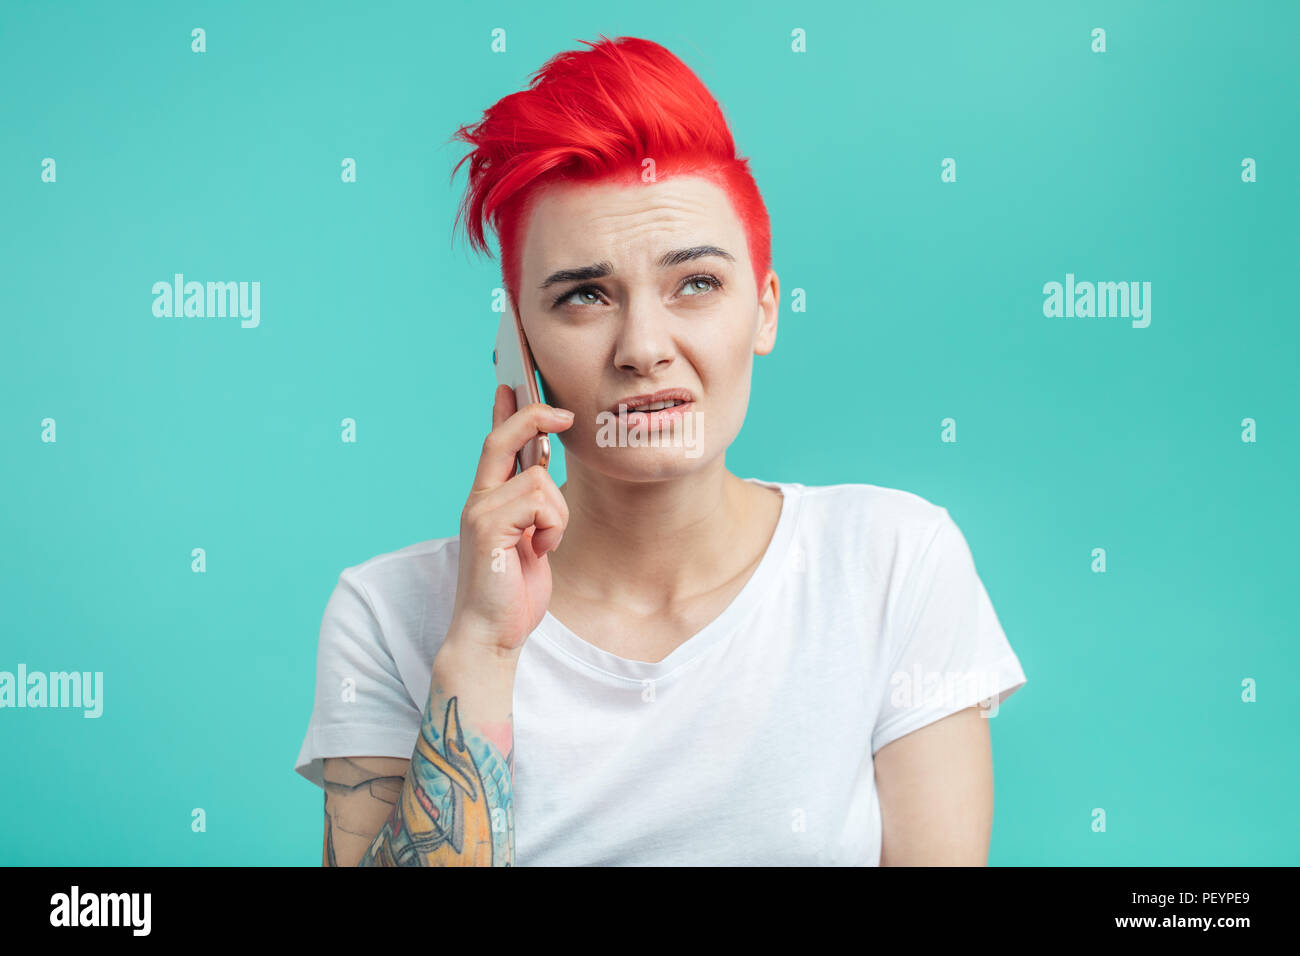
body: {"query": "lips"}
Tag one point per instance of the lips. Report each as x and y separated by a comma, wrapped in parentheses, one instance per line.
(672, 416)
(637, 402)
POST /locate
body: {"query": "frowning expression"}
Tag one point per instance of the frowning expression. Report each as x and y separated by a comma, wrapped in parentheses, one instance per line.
(627, 290)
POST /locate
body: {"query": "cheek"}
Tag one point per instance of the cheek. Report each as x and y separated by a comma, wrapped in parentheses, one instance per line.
(569, 373)
(726, 363)
(726, 377)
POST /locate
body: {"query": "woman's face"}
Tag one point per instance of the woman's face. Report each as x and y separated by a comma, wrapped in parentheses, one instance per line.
(608, 318)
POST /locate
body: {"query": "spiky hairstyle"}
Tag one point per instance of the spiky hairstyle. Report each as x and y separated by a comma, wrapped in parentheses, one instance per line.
(593, 116)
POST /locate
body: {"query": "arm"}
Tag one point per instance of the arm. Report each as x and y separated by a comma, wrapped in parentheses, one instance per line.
(451, 804)
(936, 793)
(360, 793)
(455, 808)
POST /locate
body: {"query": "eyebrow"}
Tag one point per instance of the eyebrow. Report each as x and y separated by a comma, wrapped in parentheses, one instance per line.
(605, 267)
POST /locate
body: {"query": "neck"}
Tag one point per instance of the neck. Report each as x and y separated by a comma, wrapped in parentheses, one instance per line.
(647, 545)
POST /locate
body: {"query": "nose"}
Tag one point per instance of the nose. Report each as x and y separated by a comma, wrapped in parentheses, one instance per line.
(644, 344)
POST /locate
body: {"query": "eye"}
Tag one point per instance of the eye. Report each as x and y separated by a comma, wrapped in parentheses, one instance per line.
(566, 296)
(713, 281)
(714, 284)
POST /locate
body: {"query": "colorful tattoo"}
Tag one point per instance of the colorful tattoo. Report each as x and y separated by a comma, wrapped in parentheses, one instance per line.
(455, 808)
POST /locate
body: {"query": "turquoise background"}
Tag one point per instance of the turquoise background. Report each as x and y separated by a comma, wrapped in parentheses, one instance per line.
(924, 302)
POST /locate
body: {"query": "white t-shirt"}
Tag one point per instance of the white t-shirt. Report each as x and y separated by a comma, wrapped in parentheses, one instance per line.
(751, 744)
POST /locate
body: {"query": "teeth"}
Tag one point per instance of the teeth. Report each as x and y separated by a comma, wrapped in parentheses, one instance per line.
(656, 406)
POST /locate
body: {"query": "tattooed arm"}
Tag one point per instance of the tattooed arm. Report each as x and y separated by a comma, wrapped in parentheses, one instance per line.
(359, 796)
(451, 805)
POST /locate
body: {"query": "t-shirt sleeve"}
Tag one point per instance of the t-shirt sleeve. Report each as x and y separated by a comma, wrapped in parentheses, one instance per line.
(951, 652)
(361, 706)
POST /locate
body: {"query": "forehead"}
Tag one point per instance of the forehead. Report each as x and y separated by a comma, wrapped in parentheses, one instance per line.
(572, 222)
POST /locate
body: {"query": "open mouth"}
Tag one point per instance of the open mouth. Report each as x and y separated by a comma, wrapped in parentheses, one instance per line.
(656, 413)
(656, 406)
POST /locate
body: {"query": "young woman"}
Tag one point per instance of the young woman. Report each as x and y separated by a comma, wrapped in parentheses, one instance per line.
(658, 662)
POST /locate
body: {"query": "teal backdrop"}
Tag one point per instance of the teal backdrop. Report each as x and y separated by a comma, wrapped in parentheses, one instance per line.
(1162, 691)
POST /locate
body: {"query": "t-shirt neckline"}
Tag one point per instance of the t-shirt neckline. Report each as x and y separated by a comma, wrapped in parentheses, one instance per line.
(755, 589)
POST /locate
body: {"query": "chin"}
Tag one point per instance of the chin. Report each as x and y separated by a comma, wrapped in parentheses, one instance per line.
(644, 464)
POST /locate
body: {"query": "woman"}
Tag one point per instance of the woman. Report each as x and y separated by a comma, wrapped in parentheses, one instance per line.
(659, 662)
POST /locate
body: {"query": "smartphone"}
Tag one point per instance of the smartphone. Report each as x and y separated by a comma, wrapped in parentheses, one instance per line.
(514, 365)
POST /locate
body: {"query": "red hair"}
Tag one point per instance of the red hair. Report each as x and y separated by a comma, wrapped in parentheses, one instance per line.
(594, 115)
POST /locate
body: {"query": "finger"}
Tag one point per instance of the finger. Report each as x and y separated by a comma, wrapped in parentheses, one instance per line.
(533, 517)
(548, 539)
(519, 498)
(503, 404)
(496, 463)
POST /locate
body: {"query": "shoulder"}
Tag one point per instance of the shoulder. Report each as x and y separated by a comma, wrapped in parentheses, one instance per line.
(887, 522)
(388, 575)
(408, 592)
(877, 500)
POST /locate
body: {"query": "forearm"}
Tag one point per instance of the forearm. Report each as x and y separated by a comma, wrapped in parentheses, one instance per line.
(455, 804)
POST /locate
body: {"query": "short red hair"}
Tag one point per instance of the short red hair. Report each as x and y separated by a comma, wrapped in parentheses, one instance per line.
(594, 115)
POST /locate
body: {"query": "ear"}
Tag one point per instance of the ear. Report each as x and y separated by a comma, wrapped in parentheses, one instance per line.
(768, 304)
